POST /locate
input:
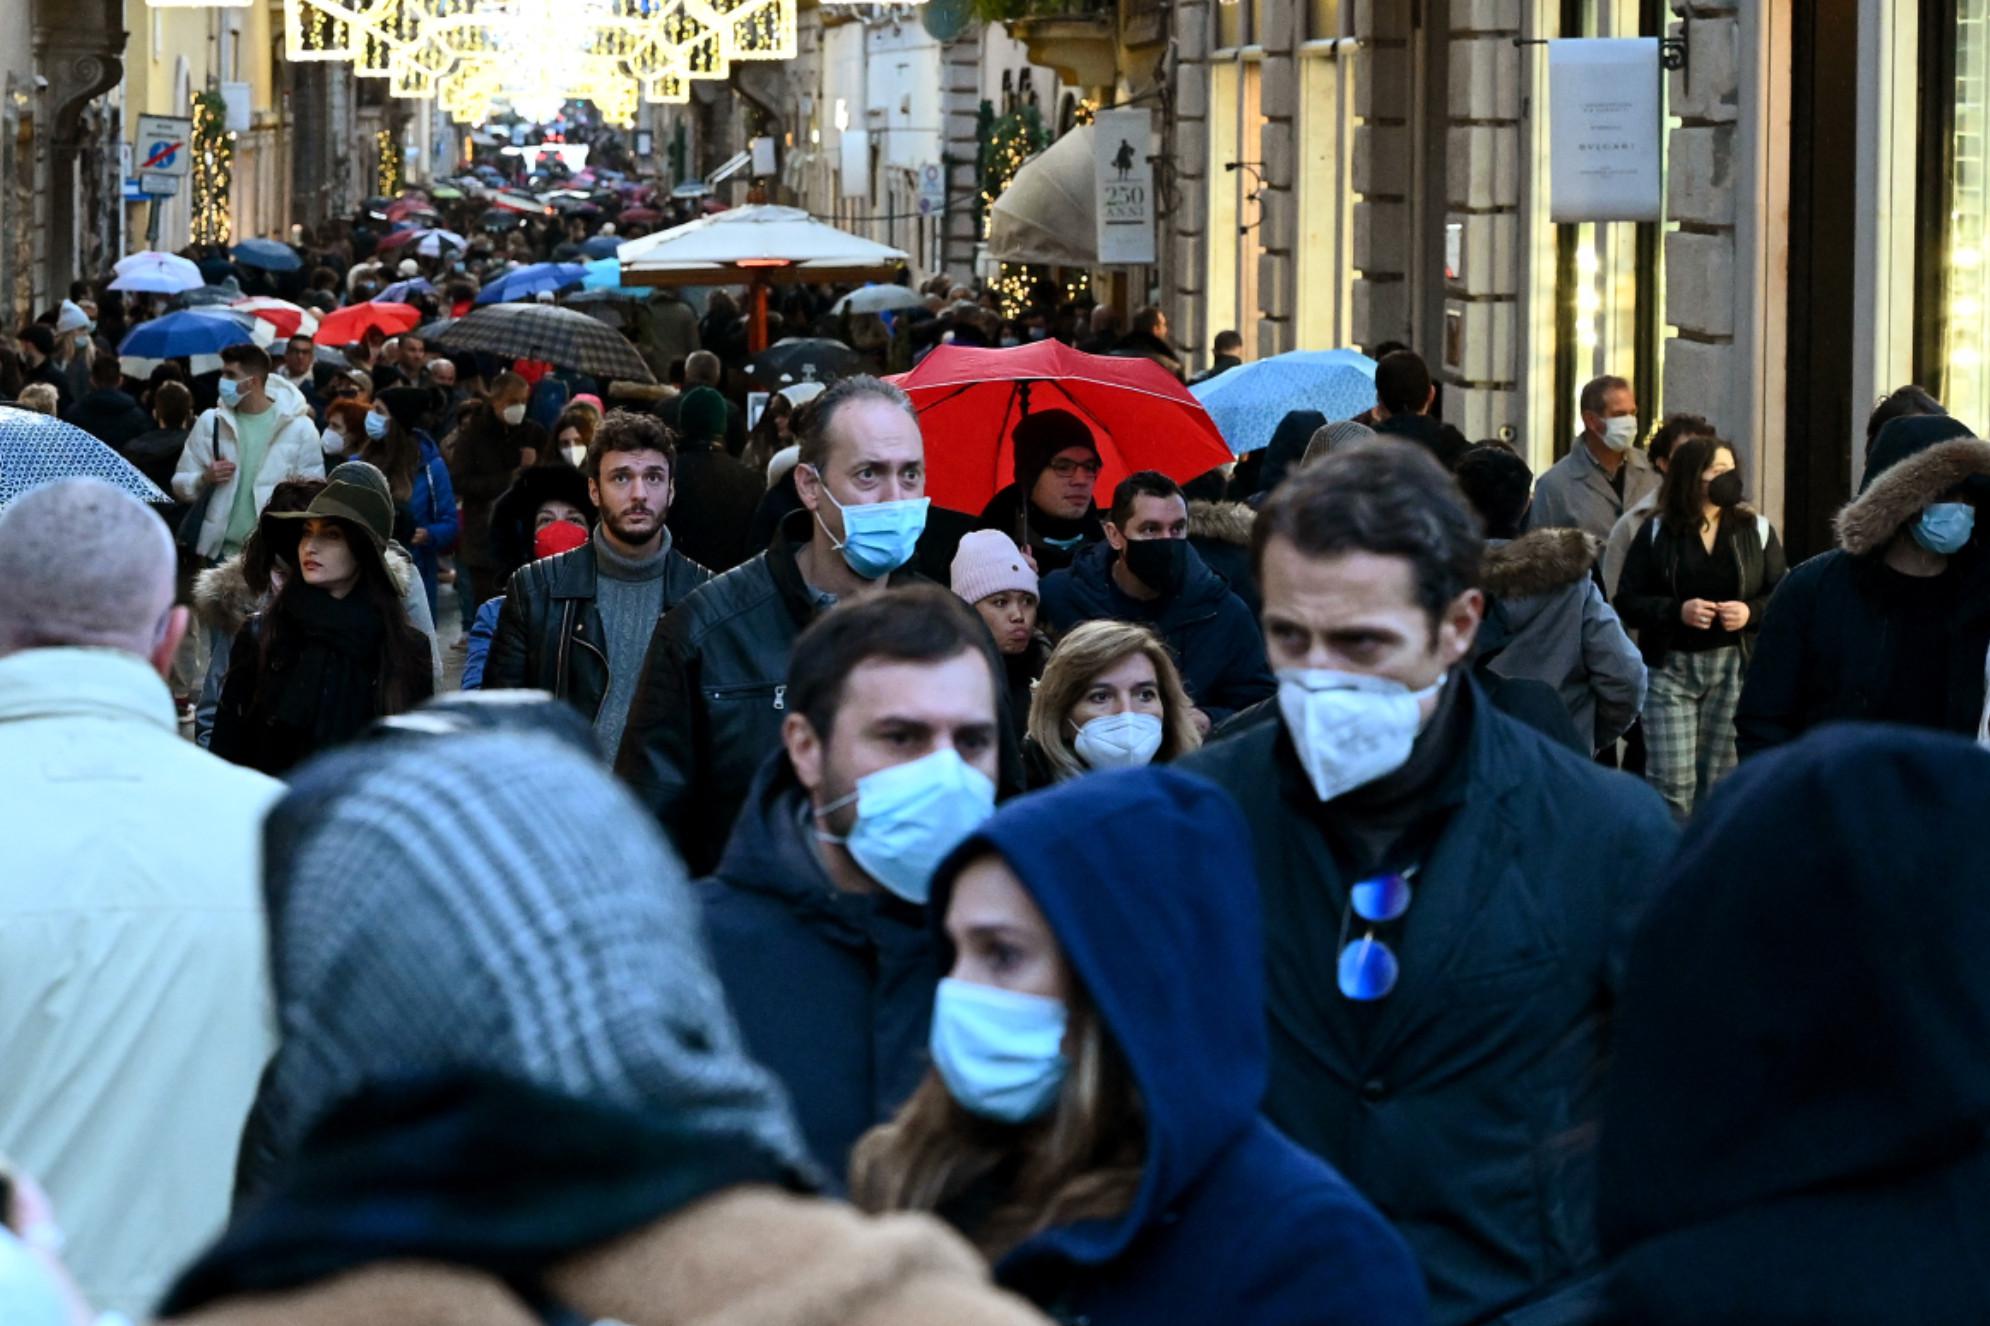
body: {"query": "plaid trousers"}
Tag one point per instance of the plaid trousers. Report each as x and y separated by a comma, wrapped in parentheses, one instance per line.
(1689, 724)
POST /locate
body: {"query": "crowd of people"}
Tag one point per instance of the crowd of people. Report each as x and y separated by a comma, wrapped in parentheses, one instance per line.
(1318, 890)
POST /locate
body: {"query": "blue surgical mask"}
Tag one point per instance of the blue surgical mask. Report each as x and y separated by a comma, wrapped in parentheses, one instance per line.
(1945, 527)
(1000, 1052)
(376, 426)
(910, 816)
(231, 392)
(878, 537)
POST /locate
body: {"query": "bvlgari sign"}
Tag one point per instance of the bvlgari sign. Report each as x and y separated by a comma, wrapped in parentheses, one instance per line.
(1604, 129)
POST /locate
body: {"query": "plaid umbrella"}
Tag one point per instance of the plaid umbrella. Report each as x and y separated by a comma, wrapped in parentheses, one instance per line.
(38, 449)
(556, 335)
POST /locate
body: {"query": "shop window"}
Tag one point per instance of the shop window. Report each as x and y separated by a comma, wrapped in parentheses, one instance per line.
(1966, 274)
(1235, 216)
(1326, 202)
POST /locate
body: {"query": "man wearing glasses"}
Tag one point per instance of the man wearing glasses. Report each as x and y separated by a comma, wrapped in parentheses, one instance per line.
(1448, 896)
(1049, 508)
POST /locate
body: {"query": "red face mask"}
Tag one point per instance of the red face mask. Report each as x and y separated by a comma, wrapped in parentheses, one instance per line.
(558, 537)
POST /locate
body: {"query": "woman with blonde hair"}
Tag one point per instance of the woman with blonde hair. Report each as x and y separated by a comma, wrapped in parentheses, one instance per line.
(1110, 698)
(1099, 1050)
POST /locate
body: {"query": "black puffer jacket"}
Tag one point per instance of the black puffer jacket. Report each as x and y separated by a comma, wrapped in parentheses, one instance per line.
(1835, 639)
(708, 710)
(550, 635)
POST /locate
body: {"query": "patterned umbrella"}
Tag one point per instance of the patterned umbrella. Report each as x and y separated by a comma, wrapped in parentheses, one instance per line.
(802, 359)
(287, 318)
(559, 336)
(38, 449)
(429, 243)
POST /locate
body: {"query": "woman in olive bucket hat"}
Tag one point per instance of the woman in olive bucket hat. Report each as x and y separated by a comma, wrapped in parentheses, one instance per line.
(334, 649)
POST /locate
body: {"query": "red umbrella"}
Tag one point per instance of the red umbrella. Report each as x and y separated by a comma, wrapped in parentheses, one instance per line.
(351, 323)
(642, 215)
(969, 401)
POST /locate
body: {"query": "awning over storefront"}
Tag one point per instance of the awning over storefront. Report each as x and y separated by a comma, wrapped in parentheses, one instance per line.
(1047, 214)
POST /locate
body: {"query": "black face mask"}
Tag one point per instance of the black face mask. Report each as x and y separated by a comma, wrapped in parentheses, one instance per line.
(1725, 491)
(1159, 564)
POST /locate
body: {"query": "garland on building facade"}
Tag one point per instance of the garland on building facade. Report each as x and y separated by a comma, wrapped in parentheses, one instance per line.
(389, 175)
(213, 169)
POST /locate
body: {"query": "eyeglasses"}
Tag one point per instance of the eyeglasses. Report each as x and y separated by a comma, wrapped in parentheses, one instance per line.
(1368, 968)
(1064, 469)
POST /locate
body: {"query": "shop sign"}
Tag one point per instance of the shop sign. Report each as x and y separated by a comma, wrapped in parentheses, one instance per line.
(1604, 130)
(1122, 146)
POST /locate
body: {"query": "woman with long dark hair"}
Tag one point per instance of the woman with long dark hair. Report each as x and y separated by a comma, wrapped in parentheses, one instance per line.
(1099, 1053)
(334, 649)
(1696, 582)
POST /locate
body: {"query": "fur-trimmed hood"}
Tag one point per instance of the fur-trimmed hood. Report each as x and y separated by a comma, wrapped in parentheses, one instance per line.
(1539, 562)
(222, 600)
(1225, 522)
(1897, 496)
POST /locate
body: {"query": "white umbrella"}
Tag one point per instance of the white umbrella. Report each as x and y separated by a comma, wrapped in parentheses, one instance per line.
(745, 242)
(37, 449)
(152, 273)
(879, 299)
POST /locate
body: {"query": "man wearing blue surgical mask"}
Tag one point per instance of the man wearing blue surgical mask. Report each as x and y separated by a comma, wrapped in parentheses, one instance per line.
(816, 917)
(1892, 625)
(259, 434)
(1447, 893)
(710, 706)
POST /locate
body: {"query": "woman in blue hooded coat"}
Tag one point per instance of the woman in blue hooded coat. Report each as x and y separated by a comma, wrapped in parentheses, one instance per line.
(1091, 1122)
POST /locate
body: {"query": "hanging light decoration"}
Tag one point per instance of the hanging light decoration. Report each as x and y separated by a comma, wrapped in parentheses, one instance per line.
(213, 168)
(469, 55)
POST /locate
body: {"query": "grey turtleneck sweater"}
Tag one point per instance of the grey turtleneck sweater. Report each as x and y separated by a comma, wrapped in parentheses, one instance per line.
(629, 594)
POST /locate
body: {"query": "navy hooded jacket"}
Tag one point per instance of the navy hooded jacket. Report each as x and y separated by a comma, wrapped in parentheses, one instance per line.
(1216, 641)
(833, 991)
(1797, 1123)
(1144, 878)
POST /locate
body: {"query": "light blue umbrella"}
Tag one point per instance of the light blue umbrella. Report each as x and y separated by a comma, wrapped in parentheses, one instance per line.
(194, 331)
(606, 274)
(529, 282)
(1247, 402)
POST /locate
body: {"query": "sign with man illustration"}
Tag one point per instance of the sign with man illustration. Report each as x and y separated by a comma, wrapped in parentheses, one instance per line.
(1123, 167)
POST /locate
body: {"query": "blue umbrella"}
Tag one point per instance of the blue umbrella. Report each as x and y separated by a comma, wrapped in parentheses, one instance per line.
(602, 246)
(268, 255)
(37, 449)
(402, 291)
(203, 331)
(1247, 402)
(527, 282)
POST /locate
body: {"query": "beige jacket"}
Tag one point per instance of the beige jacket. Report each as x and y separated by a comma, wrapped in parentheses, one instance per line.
(747, 1257)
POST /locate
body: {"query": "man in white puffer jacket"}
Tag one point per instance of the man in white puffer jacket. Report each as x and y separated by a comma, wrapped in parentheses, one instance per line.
(261, 426)
(134, 1013)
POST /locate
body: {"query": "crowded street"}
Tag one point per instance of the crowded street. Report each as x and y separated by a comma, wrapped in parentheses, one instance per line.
(994, 663)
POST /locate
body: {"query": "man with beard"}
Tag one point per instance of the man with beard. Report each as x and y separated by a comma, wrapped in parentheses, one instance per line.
(578, 624)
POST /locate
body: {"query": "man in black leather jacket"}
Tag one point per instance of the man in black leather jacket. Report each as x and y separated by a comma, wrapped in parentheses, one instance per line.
(713, 693)
(578, 624)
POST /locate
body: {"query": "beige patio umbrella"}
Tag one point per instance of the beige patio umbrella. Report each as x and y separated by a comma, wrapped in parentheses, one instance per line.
(761, 246)
(1048, 212)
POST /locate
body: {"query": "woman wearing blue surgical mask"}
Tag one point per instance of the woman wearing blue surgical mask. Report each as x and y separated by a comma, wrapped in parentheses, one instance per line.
(1696, 582)
(1110, 698)
(1091, 1121)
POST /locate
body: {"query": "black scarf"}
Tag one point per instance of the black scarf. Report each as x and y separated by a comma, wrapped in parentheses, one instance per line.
(330, 661)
